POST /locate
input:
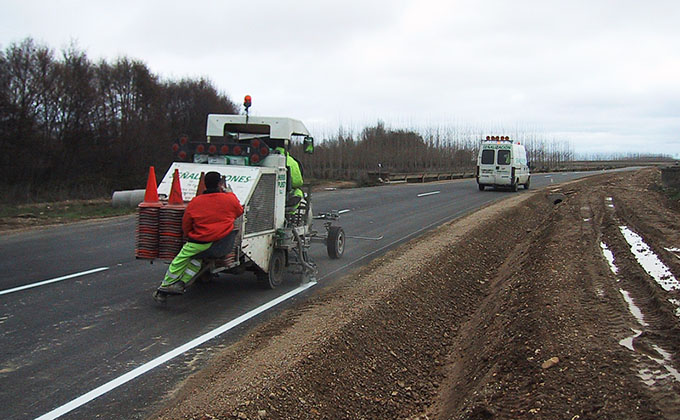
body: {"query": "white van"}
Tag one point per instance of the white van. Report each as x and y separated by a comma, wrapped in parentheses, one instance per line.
(502, 163)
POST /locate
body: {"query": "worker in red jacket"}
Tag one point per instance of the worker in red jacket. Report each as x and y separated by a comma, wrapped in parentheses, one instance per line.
(209, 217)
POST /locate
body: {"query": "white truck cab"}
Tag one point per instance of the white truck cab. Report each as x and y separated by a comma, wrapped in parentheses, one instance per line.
(502, 163)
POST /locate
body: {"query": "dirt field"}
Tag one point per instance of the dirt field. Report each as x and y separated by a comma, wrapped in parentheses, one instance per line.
(511, 313)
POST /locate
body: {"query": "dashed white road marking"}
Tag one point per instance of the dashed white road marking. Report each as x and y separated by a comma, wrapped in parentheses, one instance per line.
(103, 389)
(428, 193)
(343, 211)
(42, 283)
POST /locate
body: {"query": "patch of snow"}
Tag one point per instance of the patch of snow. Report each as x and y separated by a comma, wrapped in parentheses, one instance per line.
(675, 251)
(609, 257)
(628, 341)
(676, 302)
(649, 260)
(647, 377)
(633, 308)
(666, 362)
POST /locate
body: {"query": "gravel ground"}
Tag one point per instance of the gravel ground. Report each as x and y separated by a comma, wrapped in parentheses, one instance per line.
(512, 312)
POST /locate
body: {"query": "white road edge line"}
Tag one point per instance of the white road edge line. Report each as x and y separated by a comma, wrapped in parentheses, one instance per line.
(103, 389)
(428, 193)
(343, 211)
(42, 283)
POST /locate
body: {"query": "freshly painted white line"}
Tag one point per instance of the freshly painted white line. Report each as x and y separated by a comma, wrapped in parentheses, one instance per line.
(343, 211)
(97, 392)
(428, 193)
(42, 283)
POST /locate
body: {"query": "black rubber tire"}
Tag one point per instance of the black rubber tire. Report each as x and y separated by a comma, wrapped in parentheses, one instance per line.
(277, 265)
(513, 187)
(526, 186)
(335, 244)
(481, 187)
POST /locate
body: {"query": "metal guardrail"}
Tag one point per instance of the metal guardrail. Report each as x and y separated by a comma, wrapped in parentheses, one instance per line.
(418, 177)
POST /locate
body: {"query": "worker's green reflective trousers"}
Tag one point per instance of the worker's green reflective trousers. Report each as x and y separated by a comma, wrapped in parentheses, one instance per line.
(184, 266)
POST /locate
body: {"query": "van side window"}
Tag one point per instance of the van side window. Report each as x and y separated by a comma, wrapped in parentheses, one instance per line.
(487, 157)
(503, 157)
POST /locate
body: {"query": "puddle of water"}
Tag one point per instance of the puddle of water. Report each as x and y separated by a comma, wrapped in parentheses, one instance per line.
(649, 260)
(628, 341)
(609, 256)
(633, 308)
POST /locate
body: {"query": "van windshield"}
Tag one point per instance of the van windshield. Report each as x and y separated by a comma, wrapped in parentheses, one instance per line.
(503, 157)
(487, 157)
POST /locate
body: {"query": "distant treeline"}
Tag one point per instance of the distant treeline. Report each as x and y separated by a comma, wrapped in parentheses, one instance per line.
(73, 128)
(376, 149)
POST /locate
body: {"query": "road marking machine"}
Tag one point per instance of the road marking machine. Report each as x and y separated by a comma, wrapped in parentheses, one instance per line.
(275, 231)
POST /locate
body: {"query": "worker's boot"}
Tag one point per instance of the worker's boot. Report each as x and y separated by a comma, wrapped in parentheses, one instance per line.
(176, 288)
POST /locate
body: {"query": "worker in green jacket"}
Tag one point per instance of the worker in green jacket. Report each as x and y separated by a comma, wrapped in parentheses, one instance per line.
(294, 176)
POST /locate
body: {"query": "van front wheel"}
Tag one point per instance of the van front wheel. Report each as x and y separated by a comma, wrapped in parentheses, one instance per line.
(481, 187)
(513, 187)
(526, 186)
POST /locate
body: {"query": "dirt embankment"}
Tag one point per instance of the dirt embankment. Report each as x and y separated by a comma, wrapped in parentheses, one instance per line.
(512, 312)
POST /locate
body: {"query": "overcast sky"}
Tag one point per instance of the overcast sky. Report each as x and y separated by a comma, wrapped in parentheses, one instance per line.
(603, 74)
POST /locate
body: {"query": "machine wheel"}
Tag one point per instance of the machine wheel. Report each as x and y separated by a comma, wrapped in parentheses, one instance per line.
(481, 187)
(513, 187)
(526, 186)
(335, 244)
(277, 265)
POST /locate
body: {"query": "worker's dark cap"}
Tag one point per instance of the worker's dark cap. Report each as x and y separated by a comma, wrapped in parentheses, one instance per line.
(212, 180)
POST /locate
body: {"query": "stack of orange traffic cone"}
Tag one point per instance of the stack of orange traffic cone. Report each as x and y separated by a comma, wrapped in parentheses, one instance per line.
(148, 211)
(170, 231)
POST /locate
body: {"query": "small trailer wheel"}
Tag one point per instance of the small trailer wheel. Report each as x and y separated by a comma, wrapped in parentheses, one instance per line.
(277, 265)
(335, 243)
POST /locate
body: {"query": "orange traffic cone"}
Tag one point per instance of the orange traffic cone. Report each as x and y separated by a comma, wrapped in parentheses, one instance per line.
(151, 193)
(175, 190)
(201, 184)
(146, 234)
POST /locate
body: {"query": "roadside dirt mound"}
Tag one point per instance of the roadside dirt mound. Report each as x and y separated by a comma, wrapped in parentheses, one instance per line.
(512, 312)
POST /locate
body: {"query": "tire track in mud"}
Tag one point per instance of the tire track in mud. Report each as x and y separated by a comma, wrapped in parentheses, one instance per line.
(541, 309)
(654, 328)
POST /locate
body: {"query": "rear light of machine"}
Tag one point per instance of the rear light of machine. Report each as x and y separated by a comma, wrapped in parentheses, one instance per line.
(212, 149)
(182, 155)
(236, 150)
(175, 147)
(254, 158)
(255, 143)
(264, 151)
(224, 149)
(183, 140)
(200, 148)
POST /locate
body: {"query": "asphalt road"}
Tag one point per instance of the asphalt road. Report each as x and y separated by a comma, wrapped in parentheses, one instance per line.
(63, 339)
